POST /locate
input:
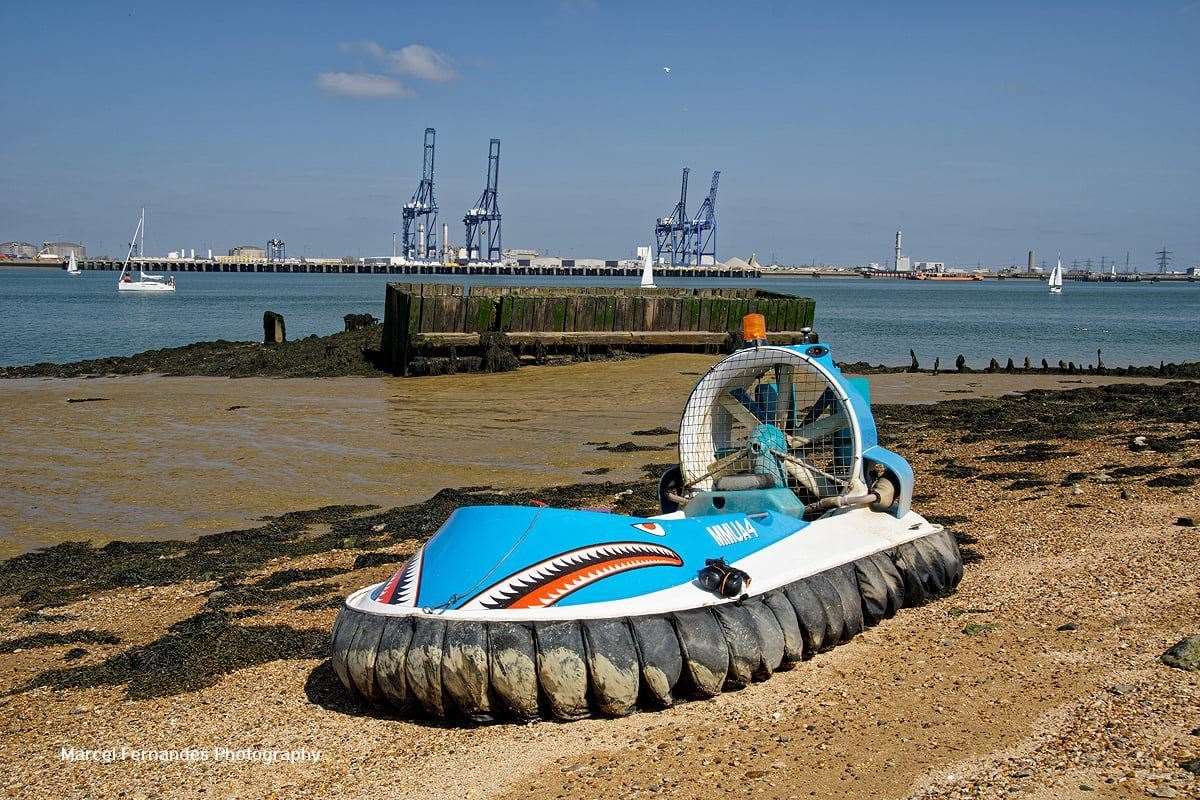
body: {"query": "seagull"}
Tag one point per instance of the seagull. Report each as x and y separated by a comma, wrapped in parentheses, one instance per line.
(667, 70)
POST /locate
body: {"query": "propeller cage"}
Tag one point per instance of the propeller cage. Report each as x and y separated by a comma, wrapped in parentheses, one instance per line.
(771, 417)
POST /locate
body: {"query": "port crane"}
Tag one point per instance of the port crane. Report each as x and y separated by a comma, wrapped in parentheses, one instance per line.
(419, 238)
(700, 233)
(669, 231)
(482, 221)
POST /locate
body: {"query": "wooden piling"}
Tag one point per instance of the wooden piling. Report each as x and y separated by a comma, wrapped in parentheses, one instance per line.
(273, 328)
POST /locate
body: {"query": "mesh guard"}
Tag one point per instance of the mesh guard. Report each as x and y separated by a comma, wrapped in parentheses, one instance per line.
(739, 421)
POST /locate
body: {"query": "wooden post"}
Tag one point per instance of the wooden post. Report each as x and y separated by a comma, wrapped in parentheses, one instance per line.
(273, 330)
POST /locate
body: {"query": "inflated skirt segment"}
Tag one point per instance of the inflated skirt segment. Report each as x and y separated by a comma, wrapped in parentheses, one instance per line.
(476, 671)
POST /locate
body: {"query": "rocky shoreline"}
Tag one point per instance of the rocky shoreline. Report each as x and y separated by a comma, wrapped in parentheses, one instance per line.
(356, 353)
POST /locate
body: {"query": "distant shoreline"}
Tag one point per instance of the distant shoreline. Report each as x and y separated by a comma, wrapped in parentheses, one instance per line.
(355, 354)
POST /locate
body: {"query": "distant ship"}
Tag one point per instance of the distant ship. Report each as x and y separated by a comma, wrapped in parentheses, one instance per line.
(943, 276)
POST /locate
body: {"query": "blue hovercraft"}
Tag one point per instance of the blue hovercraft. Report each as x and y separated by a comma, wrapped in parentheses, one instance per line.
(786, 529)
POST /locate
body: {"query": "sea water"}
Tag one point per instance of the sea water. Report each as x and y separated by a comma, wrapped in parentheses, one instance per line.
(49, 316)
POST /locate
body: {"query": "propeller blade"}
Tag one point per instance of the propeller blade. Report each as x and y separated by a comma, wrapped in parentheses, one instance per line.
(784, 374)
(826, 426)
(720, 465)
(739, 411)
(803, 476)
(826, 401)
(808, 474)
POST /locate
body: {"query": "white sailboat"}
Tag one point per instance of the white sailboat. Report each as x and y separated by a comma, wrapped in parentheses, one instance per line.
(73, 267)
(145, 282)
(1055, 282)
(647, 268)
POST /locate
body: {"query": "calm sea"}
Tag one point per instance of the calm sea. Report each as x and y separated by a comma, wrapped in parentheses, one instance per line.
(47, 316)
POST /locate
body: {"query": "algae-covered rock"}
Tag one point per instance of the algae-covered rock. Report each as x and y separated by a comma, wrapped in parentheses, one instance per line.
(1184, 655)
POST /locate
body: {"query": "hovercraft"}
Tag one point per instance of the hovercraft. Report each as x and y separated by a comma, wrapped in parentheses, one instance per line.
(786, 529)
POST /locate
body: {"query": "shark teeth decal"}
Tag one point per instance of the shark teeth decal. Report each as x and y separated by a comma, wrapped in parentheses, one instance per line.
(401, 589)
(545, 583)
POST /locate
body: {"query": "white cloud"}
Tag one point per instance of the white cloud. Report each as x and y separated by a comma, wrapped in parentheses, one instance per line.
(366, 85)
(415, 60)
(422, 62)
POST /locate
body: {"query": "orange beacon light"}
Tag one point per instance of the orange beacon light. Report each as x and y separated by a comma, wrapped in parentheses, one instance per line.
(754, 328)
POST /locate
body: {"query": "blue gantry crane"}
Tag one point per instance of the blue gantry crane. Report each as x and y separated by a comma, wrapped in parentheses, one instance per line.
(700, 234)
(483, 220)
(669, 231)
(419, 239)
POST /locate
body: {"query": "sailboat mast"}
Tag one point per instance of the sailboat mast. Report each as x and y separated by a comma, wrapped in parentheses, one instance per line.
(134, 243)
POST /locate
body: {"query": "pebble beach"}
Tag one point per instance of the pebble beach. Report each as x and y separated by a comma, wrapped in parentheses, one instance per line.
(1040, 677)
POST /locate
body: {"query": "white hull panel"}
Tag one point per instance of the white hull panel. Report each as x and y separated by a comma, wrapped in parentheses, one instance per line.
(826, 543)
(148, 286)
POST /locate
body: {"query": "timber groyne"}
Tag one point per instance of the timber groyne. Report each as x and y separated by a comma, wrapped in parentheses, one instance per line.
(426, 323)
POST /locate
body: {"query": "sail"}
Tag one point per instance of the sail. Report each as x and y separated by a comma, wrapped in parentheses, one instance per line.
(647, 268)
(1055, 281)
(72, 266)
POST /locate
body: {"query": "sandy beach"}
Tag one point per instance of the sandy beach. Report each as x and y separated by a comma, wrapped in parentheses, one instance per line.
(1039, 678)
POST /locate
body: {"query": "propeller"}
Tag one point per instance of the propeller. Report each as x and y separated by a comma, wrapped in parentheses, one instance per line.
(775, 404)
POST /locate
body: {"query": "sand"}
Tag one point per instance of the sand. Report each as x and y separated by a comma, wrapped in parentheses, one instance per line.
(977, 695)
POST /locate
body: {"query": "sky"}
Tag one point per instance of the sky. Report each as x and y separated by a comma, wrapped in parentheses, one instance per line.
(981, 129)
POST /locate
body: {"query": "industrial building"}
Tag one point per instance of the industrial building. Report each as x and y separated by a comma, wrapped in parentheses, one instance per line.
(62, 250)
(17, 250)
(244, 253)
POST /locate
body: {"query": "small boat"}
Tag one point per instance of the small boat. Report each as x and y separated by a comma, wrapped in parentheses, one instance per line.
(785, 530)
(647, 268)
(73, 267)
(145, 281)
(943, 276)
(1055, 281)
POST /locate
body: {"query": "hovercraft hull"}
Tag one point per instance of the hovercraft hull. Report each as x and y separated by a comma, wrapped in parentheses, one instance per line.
(477, 667)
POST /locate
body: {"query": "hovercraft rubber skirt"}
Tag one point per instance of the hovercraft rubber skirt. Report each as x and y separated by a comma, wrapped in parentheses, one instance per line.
(566, 670)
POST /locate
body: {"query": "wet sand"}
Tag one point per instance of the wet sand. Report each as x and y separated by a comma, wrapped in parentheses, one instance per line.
(178, 457)
(1040, 678)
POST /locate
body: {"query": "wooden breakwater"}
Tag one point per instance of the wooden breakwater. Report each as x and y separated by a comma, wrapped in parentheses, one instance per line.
(435, 320)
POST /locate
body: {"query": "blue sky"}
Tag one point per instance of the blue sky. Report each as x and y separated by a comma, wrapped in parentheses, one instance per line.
(981, 129)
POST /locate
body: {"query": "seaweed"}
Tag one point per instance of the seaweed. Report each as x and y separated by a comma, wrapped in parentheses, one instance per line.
(192, 655)
(64, 573)
(1173, 481)
(287, 577)
(376, 560)
(1033, 452)
(1027, 483)
(952, 469)
(659, 431)
(348, 353)
(632, 447)
(1048, 414)
(39, 640)
(1135, 471)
